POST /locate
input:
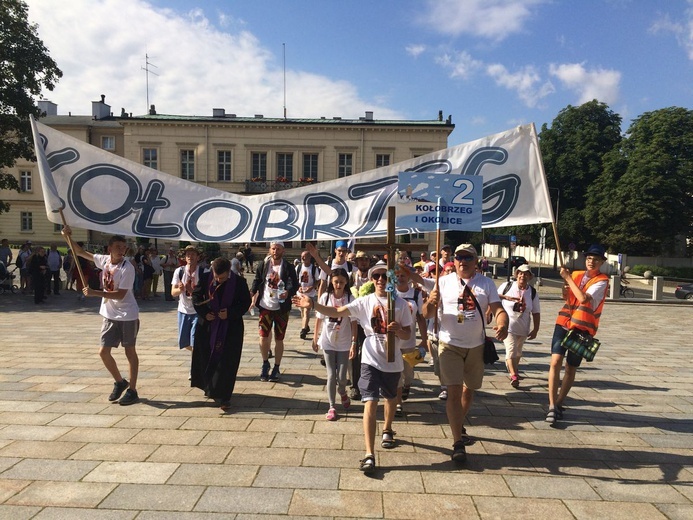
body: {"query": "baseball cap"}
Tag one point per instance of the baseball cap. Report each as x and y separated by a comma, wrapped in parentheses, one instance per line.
(525, 268)
(466, 248)
(341, 243)
(277, 243)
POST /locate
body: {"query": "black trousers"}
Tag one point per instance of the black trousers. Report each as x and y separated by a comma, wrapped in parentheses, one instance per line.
(55, 276)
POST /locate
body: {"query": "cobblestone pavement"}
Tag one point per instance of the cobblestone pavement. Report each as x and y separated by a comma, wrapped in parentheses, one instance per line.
(624, 450)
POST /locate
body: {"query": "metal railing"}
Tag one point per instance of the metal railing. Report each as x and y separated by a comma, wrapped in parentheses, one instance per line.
(265, 186)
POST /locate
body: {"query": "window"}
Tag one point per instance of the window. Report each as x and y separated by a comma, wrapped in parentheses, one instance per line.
(259, 165)
(57, 228)
(224, 165)
(344, 168)
(108, 142)
(150, 158)
(285, 166)
(25, 183)
(27, 223)
(310, 166)
(382, 159)
(187, 165)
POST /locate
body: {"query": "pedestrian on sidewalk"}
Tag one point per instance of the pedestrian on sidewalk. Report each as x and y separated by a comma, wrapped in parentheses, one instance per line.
(119, 310)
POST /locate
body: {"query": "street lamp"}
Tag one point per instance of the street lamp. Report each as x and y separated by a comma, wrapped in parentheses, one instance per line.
(558, 200)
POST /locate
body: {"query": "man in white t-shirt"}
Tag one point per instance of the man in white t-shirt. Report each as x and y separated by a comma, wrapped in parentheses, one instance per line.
(378, 375)
(119, 310)
(521, 302)
(341, 250)
(461, 302)
(308, 279)
(184, 281)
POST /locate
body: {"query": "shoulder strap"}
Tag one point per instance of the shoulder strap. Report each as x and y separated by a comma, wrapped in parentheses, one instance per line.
(507, 287)
(476, 302)
(534, 292)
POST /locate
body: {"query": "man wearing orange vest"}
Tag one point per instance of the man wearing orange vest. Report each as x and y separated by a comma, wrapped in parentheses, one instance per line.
(584, 293)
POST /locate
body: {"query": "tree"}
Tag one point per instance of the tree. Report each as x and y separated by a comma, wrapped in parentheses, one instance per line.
(25, 70)
(573, 150)
(643, 203)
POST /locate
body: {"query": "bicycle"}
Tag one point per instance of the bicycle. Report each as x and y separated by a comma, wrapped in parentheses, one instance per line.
(626, 292)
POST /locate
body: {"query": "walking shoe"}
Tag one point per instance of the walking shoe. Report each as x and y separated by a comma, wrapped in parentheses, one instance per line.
(118, 389)
(303, 333)
(130, 397)
(346, 402)
(331, 414)
(264, 375)
(514, 381)
(274, 377)
(367, 464)
(459, 453)
(355, 394)
(443, 395)
(225, 405)
(405, 392)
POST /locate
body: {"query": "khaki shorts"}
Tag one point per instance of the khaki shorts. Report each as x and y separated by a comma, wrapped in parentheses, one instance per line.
(461, 365)
(114, 333)
(513, 346)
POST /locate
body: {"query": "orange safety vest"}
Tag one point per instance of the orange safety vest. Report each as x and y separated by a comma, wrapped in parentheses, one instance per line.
(574, 315)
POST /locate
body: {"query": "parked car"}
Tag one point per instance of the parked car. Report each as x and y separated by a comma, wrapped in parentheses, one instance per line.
(515, 261)
(684, 291)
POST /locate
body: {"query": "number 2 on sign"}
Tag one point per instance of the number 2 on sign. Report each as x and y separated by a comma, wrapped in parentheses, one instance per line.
(467, 188)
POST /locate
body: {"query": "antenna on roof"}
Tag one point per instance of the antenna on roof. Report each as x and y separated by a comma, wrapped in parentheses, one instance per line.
(284, 49)
(147, 64)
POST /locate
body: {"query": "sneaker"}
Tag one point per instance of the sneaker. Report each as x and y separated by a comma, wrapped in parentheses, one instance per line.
(443, 395)
(118, 389)
(346, 402)
(459, 453)
(355, 394)
(405, 393)
(331, 414)
(367, 465)
(274, 377)
(514, 381)
(130, 397)
(264, 375)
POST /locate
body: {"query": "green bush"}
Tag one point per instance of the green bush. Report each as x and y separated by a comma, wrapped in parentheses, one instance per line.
(666, 272)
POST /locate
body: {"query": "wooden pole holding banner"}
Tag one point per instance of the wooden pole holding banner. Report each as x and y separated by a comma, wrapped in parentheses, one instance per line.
(72, 248)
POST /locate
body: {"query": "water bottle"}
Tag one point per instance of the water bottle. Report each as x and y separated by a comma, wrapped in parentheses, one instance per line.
(280, 291)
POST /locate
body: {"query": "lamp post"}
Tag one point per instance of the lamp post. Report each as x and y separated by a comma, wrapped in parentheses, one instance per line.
(558, 200)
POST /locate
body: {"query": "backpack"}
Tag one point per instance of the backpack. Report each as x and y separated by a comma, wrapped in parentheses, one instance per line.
(181, 270)
(509, 284)
(313, 270)
(18, 261)
(415, 298)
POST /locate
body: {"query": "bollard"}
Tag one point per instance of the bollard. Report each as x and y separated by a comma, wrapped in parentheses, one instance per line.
(615, 287)
(494, 271)
(657, 288)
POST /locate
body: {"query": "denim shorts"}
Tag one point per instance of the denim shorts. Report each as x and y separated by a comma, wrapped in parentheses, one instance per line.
(373, 383)
(556, 348)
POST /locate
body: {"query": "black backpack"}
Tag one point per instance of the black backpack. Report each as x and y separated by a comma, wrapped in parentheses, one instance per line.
(508, 285)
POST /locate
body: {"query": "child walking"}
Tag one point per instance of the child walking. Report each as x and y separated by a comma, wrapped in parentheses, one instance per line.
(337, 339)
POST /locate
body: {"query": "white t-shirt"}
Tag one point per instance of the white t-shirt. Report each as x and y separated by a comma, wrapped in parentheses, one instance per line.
(306, 281)
(345, 266)
(336, 332)
(461, 324)
(371, 312)
(114, 277)
(236, 266)
(519, 322)
(156, 264)
(185, 304)
(415, 307)
(270, 299)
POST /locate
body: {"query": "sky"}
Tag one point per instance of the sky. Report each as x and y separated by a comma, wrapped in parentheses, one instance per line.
(489, 64)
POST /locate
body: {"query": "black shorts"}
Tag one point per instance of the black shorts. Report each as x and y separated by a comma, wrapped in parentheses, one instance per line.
(373, 383)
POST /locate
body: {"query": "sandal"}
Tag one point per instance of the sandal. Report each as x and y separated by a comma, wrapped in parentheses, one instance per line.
(367, 464)
(398, 411)
(346, 402)
(388, 441)
(405, 393)
(331, 415)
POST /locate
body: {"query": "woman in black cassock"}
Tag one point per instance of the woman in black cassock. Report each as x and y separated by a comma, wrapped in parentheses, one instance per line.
(221, 299)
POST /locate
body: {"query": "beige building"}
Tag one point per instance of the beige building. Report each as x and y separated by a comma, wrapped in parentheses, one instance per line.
(223, 151)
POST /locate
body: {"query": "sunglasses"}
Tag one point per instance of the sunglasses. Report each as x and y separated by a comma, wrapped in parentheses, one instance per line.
(378, 276)
(464, 258)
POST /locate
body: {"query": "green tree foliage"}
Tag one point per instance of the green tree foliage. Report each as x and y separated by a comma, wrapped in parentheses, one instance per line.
(25, 70)
(573, 150)
(644, 198)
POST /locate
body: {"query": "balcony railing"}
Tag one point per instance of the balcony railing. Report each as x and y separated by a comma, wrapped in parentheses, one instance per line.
(266, 186)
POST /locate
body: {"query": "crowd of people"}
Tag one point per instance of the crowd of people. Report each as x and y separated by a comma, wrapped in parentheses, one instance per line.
(440, 306)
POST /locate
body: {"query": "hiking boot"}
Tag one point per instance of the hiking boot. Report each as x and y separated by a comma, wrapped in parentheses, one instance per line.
(459, 453)
(264, 375)
(274, 377)
(130, 397)
(118, 389)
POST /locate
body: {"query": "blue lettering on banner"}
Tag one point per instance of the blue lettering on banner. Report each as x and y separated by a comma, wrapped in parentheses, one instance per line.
(192, 220)
(383, 189)
(332, 229)
(267, 210)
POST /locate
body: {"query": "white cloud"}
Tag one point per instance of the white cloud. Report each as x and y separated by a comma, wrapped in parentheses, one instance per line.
(415, 50)
(491, 19)
(683, 30)
(100, 46)
(461, 64)
(526, 82)
(600, 84)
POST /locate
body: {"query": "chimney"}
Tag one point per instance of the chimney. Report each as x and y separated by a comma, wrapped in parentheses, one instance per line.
(440, 115)
(48, 107)
(369, 116)
(99, 109)
(152, 110)
(218, 112)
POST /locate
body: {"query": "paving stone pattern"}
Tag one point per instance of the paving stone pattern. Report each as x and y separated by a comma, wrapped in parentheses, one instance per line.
(624, 450)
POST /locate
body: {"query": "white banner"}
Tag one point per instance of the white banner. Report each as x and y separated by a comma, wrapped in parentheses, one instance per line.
(101, 191)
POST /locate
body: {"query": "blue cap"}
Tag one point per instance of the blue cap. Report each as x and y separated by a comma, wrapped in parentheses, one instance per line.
(596, 250)
(341, 243)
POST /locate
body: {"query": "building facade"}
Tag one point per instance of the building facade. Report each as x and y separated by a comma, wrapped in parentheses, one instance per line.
(246, 155)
